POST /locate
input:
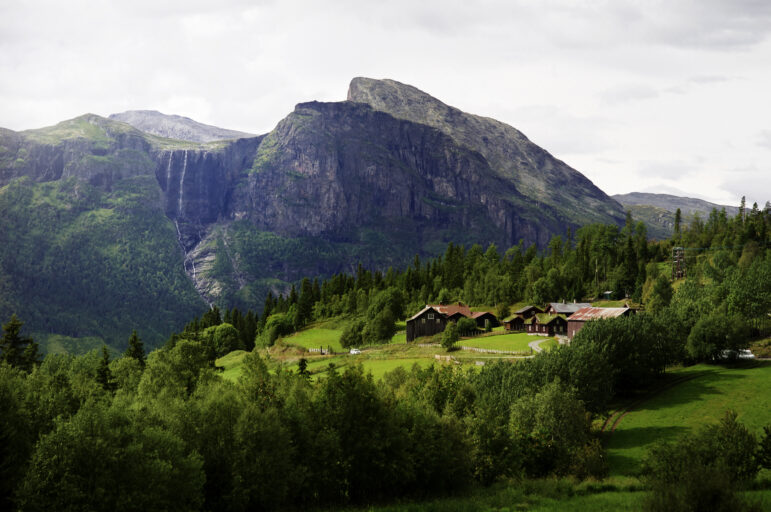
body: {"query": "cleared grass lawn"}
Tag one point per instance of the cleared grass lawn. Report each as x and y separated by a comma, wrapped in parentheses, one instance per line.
(317, 337)
(688, 405)
(515, 342)
(232, 364)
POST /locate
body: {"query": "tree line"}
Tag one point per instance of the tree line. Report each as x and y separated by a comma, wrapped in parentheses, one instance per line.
(167, 432)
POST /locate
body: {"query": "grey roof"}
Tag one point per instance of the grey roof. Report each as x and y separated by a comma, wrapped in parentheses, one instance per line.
(568, 307)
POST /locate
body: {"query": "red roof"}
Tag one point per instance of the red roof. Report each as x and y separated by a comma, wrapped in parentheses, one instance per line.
(592, 313)
(451, 309)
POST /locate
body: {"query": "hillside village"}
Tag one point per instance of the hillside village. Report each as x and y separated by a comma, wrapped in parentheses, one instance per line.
(559, 319)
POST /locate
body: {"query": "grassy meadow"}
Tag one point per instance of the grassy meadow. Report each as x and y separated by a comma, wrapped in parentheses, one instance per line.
(698, 395)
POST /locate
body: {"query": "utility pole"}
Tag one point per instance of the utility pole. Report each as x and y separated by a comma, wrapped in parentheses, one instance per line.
(678, 263)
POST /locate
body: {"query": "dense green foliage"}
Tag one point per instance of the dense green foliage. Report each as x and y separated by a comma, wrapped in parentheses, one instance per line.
(112, 254)
(728, 274)
(173, 429)
(702, 471)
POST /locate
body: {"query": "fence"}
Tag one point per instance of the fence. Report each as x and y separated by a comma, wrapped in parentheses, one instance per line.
(493, 351)
(322, 351)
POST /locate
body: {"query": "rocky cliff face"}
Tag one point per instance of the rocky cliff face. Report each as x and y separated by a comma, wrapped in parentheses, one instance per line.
(343, 166)
(391, 173)
(545, 180)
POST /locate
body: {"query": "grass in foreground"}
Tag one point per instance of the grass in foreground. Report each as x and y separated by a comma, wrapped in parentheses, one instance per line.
(702, 399)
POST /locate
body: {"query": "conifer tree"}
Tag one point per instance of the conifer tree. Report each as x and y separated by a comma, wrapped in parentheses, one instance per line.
(678, 220)
(16, 350)
(136, 349)
(103, 373)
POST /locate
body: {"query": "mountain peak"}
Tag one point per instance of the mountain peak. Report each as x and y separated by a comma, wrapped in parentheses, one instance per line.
(176, 127)
(535, 172)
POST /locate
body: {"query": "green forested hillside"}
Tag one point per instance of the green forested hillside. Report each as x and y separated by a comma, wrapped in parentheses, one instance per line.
(86, 263)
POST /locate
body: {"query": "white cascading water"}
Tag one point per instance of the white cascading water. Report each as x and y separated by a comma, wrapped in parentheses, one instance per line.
(181, 185)
(168, 171)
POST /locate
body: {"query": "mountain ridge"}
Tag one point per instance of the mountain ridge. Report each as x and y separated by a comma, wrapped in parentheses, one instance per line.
(335, 184)
(176, 127)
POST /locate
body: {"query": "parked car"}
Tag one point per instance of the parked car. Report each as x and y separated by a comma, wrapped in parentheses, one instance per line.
(355, 351)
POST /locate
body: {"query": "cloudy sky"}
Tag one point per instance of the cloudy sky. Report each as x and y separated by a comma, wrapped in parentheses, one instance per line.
(669, 96)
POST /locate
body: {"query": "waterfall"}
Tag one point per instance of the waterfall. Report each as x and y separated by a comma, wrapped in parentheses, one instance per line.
(184, 251)
(168, 171)
(181, 185)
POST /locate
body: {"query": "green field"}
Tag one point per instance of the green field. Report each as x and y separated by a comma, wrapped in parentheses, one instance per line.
(317, 337)
(701, 398)
(232, 364)
(515, 342)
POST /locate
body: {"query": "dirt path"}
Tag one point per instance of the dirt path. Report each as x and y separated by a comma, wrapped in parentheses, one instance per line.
(536, 345)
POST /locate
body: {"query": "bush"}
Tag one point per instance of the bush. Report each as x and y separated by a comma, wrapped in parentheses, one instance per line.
(352, 334)
(715, 333)
(450, 336)
(702, 471)
(466, 326)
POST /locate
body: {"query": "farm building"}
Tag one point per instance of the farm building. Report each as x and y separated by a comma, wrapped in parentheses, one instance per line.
(516, 322)
(528, 311)
(482, 316)
(565, 308)
(427, 322)
(433, 318)
(577, 320)
(547, 325)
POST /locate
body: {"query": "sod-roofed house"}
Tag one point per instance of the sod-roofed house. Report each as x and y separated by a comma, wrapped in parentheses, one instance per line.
(516, 322)
(565, 308)
(528, 311)
(546, 325)
(427, 322)
(578, 319)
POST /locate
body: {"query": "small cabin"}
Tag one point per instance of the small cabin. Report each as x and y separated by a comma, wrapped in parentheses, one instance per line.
(427, 322)
(484, 316)
(577, 320)
(565, 308)
(514, 323)
(546, 325)
(528, 312)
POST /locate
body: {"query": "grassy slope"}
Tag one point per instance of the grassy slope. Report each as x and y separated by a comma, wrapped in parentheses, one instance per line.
(702, 399)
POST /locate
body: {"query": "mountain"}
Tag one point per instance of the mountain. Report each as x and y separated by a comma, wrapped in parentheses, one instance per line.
(109, 228)
(553, 188)
(657, 211)
(175, 127)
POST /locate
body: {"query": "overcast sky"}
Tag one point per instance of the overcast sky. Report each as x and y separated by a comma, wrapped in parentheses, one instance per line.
(670, 96)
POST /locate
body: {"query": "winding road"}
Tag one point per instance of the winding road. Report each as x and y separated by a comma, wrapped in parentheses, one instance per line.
(536, 345)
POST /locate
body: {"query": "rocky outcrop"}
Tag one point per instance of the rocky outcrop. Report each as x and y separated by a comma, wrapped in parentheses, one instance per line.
(176, 127)
(544, 179)
(331, 168)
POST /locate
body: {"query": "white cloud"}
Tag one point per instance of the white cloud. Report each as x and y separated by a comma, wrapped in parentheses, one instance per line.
(632, 94)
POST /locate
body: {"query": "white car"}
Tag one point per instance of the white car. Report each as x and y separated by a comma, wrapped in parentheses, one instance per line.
(355, 351)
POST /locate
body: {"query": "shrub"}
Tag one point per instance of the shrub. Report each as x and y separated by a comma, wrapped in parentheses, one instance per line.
(352, 334)
(701, 471)
(450, 336)
(466, 326)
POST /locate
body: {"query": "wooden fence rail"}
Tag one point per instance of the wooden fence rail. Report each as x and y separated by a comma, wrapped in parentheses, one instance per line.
(493, 351)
